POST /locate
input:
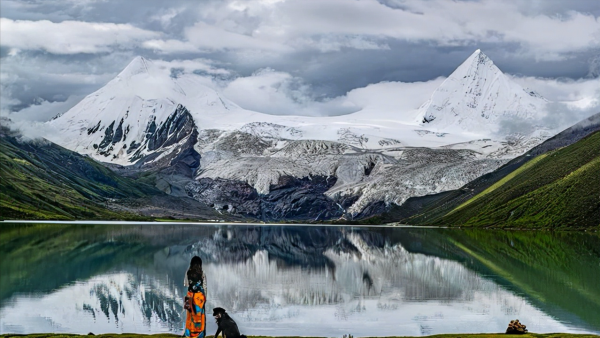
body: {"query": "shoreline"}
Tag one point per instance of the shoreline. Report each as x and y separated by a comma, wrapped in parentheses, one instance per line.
(218, 223)
(387, 225)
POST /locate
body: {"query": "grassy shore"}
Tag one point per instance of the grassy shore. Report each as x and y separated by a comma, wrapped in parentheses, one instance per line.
(457, 335)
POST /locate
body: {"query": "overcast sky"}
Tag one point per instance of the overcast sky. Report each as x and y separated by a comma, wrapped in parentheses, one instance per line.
(53, 53)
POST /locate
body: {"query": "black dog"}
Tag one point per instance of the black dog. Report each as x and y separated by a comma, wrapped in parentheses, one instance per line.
(226, 324)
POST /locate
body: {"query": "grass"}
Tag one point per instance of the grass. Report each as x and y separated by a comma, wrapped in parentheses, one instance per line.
(569, 200)
(559, 190)
(40, 180)
(500, 183)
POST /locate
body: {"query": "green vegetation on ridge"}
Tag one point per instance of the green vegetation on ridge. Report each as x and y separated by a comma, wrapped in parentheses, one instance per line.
(559, 189)
(40, 180)
(501, 182)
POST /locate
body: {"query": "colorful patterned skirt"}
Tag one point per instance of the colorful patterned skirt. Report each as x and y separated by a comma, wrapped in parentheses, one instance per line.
(195, 322)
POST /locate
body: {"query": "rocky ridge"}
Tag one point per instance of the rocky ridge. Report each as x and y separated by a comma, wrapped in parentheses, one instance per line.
(205, 147)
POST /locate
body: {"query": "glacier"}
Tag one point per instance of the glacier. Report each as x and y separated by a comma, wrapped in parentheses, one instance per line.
(183, 127)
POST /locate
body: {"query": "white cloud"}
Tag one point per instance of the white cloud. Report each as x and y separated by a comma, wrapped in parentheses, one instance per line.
(570, 100)
(194, 65)
(329, 25)
(563, 90)
(32, 130)
(205, 37)
(27, 80)
(170, 46)
(71, 37)
(397, 100)
(334, 43)
(290, 37)
(165, 17)
(325, 25)
(45, 110)
(280, 93)
(6, 102)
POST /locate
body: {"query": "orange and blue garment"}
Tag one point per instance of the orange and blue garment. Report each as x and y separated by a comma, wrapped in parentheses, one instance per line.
(195, 322)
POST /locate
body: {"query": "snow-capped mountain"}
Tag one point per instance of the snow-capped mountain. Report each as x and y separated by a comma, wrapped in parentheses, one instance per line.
(114, 124)
(142, 112)
(280, 167)
(476, 97)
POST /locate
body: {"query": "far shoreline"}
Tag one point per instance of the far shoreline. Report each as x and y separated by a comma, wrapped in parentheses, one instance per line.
(100, 222)
(230, 223)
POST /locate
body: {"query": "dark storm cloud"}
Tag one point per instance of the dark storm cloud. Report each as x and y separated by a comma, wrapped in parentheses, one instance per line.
(330, 46)
(35, 77)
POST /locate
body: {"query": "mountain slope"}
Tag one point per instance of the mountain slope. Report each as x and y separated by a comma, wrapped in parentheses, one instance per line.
(430, 208)
(41, 180)
(199, 144)
(114, 123)
(477, 97)
(138, 117)
(557, 189)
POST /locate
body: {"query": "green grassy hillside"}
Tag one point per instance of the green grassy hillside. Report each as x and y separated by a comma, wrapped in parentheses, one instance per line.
(558, 189)
(41, 180)
(431, 208)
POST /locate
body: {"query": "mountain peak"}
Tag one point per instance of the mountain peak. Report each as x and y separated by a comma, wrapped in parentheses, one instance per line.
(138, 65)
(474, 65)
(476, 97)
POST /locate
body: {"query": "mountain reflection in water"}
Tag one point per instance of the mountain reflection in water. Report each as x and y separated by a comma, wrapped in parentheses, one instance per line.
(325, 281)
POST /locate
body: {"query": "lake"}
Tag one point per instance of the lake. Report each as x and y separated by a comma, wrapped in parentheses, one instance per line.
(298, 280)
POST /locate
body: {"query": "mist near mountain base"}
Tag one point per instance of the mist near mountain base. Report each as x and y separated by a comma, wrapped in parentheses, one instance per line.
(559, 116)
(29, 131)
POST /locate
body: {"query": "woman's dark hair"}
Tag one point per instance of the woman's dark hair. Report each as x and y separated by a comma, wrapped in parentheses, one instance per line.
(196, 261)
(194, 273)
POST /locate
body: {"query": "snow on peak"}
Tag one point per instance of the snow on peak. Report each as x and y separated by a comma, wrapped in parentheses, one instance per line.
(475, 68)
(468, 105)
(476, 97)
(138, 65)
(142, 95)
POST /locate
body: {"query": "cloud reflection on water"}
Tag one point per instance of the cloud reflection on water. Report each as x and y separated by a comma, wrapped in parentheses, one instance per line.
(356, 283)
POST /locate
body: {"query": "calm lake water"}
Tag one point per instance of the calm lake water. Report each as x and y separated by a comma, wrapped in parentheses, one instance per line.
(298, 280)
